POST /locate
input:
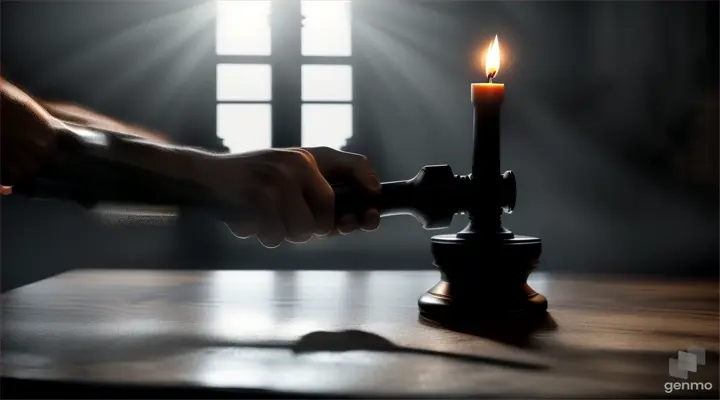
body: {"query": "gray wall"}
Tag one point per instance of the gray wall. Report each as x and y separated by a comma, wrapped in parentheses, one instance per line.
(610, 123)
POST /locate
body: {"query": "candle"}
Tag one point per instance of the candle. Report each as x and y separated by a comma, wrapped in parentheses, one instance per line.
(487, 99)
(490, 93)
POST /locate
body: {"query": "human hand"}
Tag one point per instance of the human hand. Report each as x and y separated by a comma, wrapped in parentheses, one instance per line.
(340, 167)
(287, 192)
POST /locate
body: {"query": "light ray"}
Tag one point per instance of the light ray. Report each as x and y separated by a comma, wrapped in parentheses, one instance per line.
(134, 36)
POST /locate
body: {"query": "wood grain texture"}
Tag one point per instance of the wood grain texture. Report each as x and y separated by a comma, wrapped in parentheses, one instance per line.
(606, 337)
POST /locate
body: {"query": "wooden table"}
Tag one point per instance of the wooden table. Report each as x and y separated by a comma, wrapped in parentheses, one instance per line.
(242, 333)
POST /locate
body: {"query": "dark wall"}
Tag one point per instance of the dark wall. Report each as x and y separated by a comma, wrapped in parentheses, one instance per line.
(148, 63)
(610, 119)
(610, 123)
(144, 62)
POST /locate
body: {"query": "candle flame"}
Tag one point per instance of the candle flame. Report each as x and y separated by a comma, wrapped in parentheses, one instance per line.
(492, 59)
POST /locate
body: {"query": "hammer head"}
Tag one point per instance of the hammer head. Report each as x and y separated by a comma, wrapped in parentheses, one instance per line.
(433, 196)
(439, 195)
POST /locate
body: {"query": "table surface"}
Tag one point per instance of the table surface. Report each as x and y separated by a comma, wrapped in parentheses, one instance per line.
(605, 336)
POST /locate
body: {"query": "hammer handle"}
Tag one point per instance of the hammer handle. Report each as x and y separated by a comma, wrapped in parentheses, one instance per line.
(393, 198)
(91, 186)
(89, 190)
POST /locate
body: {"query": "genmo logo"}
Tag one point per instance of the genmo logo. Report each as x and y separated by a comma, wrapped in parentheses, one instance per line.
(681, 386)
(680, 367)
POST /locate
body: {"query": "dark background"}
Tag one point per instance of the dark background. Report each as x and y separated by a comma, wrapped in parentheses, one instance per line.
(610, 123)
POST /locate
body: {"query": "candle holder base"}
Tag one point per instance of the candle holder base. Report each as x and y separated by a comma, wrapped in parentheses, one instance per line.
(483, 279)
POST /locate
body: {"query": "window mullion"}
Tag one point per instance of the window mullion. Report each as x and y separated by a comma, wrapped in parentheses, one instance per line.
(325, 39)
(286, 27)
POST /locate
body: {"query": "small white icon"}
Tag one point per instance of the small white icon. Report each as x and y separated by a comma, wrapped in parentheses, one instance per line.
(686, 361)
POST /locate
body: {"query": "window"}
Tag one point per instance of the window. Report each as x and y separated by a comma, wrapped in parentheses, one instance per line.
(326, 109)
(244, 46)
(326, 83)
(327, 93)
(326, 28)
(244, 127)
(244, 90)
(243, 27)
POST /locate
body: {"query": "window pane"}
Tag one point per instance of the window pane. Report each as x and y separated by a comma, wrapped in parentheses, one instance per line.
(327, 83)
(244, 82)
(244, 127)
(326, 125)
(326, 28)
(243, 27)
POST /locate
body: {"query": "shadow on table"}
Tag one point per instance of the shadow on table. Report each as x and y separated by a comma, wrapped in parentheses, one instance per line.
(356, 340)
(314, 342)
(519, 332)
(130, 349)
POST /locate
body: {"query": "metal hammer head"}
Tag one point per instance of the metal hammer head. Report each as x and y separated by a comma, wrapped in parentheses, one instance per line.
(435, 195)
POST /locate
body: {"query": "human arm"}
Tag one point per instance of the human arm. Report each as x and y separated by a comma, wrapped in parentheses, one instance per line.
(76, 114)
(285, 192)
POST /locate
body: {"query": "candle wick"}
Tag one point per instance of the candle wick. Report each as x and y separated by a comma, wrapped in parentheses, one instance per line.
(490, 79)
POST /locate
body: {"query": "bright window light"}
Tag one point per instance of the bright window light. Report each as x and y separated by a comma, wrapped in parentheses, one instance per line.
(326, 28)
(326, 125)
(244, 82)
(327, 83)
(243, 27)
(244, 127)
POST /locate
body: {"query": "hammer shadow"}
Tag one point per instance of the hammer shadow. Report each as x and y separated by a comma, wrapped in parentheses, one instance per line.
(356, 340)
(132, 350)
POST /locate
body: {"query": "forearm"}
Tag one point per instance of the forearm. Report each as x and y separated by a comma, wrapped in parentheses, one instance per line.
(92, 156)
(131, 145)
(128, 145)
(95, 168)
(109, 164)
(82, 116)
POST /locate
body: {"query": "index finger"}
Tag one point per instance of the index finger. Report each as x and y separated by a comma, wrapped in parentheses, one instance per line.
(364, 174)
(352, 168)
(319, 196)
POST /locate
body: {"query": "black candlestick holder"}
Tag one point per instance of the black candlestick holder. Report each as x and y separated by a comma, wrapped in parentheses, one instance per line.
(484, 268)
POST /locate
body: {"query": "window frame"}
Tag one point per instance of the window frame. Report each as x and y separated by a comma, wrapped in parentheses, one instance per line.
(286, 61)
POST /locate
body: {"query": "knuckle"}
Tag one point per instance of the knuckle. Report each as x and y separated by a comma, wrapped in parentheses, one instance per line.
(362, 161)
(295, 163)
(300, 157)
(358, 161)
(323, 149)
(303, 152)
